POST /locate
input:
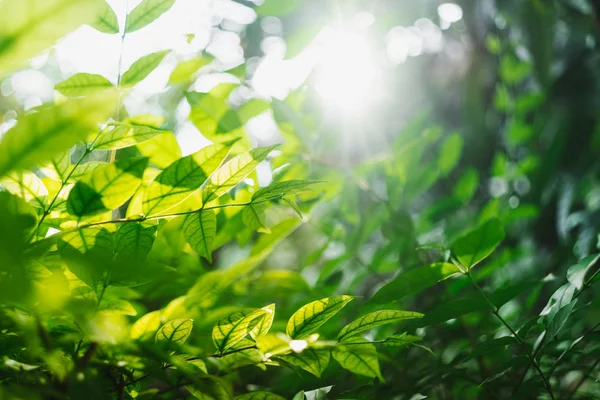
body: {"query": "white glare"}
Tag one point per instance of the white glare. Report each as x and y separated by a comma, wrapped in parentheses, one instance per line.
(346, 73)
(298, 345)
(450, 12)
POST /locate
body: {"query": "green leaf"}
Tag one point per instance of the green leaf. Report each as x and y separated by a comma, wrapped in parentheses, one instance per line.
(28, 27)
(232, 172)
(413, 281)
(27, 186)
(185, 70)
(234, 328)
(134, 240)
(39, 136)
(259, 396)
(200, 229)
(311, 360)
(475, 246)
(317, 394)
(277, 8)
(253, 216)
(162, 150)
(374, 319)
(145, 13)
(59, 166)
(360, 358)
(175, 331)
(278, 189)
(182, 178)
(106, 187)
(85, 169)
(450, 152)
(148, 323)
(310, 317)
(142, 68)
(120, 135)
(264, 324)
(402, 340)
(107, 21)
(83, 84)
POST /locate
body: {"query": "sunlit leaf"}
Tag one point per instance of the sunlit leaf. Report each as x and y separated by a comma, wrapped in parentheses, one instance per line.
(234, 328)
(82, 84)
(279, 189)
(450, 153)
(142, 68)
(413, 281)
(39, 136)
(133, 241)
(27, 186)
(180, 179)
(254, 216)
(475, 246)
(233, 171)
(58, 167)
(186, 70)
(162, 150)
(310, 317)
(402, 340)
(85, 169)
(148, 323)
(311, 360)
(106, 187)
(28, 27)
(374, 319)
(359, 358)
(264, 324)
(120, 135)
(259, 395)
(200, 229)
(145, 13)
(175, 331)
(107, 21)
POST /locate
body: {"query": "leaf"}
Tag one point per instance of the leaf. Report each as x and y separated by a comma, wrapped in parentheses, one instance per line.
(39, 136)
(450, 152)
(185, 70)
(142, 67)
(134, 240)
(317, 394)
(85, 169)
(577, 273)
(107, 21)
(413, 281)
(278, 189)
(374, 319)
(212, 388)
(27, 186)
(402, 340)
(360, 359)
(200, 229)
(475, 246)
(253, 216)
(264, 324)
(311, 360)
(311, 316)
(277, 8)
(182, 178)
(148, 323)
(83, 84)
(120, 135)
(28, 27)
(234, 328)
(232, 172)
(145, 13)
(162, 150)
(58, 167)
(175, 331)
(106, 187)
(259, 396)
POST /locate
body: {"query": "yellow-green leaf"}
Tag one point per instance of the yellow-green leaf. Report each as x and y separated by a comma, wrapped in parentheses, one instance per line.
(234, 328)
(142, 68)
(277, 190)
(175, 331)
(310, 317)
(357, 358)
(200, 229)
(27, 186)
(162, 150)
(148, 323)
(233, 171)
(182, 178)
(120, 135)
(264, 324)
(186, 70)
(145, 13)
(374, 319)
(253, 215)
(311, 360)
(82, 84)
(39, 136)
(107, 187)
(107, 21)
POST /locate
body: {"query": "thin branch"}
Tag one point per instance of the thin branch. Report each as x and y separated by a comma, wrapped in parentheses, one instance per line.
(584, 378)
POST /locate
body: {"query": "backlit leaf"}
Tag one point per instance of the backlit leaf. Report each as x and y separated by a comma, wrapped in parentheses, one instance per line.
(145, 13)
(175, 331)
(162, 150)
(120, 135)
(311, 360)
(142, 68)
(200, 229)
(234, 328)
(107, 21)
(360, 358)
(27, 186)
(182, 178)
(310, 317)
(148, 323)
(475, 246)
(133, 241)
(82, 84)
(374, 319)
(106, 187)
(186, 70)
(264, 324)
(233, 171)
(254, 216)
(278, 189)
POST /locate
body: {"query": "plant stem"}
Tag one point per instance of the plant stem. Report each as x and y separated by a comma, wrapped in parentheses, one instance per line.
(583, 378)
(113, 153)
(523, 344)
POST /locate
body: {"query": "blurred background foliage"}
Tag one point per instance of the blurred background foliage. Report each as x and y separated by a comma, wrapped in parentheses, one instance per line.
(420, 120)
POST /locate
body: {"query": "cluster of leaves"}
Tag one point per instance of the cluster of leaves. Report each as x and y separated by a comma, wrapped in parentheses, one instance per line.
(130, 271)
